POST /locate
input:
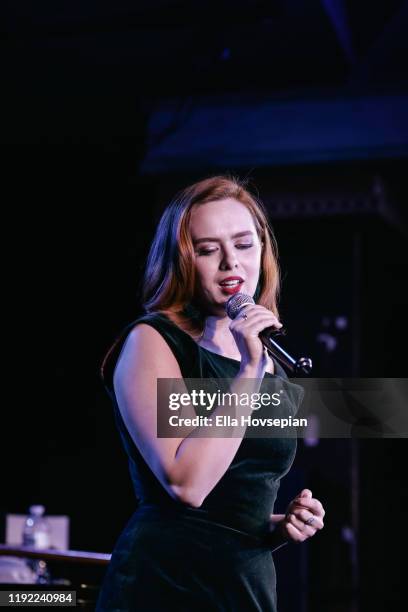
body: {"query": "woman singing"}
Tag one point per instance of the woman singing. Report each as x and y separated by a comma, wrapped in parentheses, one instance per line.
(203, 533)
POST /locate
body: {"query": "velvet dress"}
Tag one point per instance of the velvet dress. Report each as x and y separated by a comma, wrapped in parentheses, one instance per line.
(215, 558)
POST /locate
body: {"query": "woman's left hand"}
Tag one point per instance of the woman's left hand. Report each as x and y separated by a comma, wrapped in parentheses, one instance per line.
(303, 518)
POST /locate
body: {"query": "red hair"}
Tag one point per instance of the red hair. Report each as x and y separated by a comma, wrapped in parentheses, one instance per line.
(170, 270)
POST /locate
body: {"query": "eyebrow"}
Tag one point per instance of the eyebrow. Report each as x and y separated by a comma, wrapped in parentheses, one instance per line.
(209, 239)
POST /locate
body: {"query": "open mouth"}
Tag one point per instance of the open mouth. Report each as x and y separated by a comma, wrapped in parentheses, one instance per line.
(231, 282)
(231, 285)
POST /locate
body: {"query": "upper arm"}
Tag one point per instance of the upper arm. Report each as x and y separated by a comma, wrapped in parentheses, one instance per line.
(145, 358)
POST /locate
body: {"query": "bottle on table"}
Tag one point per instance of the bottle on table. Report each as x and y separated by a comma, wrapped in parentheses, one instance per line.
(37, 534)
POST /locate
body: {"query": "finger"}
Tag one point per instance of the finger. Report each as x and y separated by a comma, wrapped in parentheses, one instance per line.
(304, 498)
(306, 530)
(261, 325)
(298, 523)
(294, 533)
(319, 510)
(309, 519)
(254, 327)
(260, 321)
(310, 504)
(247, 320)
(258, 310)
(254, 310)
(276, 518)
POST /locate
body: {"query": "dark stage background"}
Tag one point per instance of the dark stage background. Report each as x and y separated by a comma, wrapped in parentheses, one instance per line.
(111, 108)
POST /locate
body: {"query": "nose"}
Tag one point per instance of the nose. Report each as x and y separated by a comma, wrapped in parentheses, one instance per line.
(229, 259)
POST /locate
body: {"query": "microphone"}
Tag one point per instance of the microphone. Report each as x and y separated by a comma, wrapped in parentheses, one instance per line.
(303, 365)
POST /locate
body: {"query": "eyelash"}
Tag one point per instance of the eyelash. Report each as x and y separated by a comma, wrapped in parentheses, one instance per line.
(209, 252)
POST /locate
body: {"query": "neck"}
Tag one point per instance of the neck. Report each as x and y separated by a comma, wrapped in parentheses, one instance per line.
(216, 334)
(216, 324)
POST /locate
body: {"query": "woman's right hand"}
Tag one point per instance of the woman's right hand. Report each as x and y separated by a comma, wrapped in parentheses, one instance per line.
(246, 327)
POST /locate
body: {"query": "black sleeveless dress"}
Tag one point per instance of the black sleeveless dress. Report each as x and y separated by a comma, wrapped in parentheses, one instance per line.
(215, 558)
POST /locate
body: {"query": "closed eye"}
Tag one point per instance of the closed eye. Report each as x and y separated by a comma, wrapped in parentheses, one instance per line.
(209, 251)
(206, 251)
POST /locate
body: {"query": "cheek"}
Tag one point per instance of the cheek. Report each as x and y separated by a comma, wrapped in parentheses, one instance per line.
(204, 274)
(205, 269)
(254, 263)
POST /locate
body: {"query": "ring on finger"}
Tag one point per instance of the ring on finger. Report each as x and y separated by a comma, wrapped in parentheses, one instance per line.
(310, 520)
(244, 316)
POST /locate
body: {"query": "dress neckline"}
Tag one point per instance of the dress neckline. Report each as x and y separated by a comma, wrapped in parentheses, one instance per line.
(218, 354)
(194, 342)
(237, 361)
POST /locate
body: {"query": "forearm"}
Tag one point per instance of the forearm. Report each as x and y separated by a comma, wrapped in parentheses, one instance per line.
(201, 461)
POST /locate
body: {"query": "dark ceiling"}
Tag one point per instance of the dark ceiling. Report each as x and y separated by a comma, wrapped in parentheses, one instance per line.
(163, 47)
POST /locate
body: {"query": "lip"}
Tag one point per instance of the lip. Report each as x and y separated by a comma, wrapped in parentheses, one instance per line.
(233, 289)
(231, 278)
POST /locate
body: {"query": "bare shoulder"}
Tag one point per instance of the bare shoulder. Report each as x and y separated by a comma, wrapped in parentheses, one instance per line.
(146, 352)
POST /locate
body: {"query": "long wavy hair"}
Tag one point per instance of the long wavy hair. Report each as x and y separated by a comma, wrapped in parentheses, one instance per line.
(169, 279)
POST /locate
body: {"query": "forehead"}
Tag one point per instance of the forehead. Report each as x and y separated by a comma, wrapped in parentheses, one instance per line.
(220, 218)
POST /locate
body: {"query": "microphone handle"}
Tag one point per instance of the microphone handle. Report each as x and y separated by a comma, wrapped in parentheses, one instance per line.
(303, 365)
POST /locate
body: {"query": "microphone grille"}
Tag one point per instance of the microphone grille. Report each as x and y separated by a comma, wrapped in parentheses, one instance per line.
(236, 302)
